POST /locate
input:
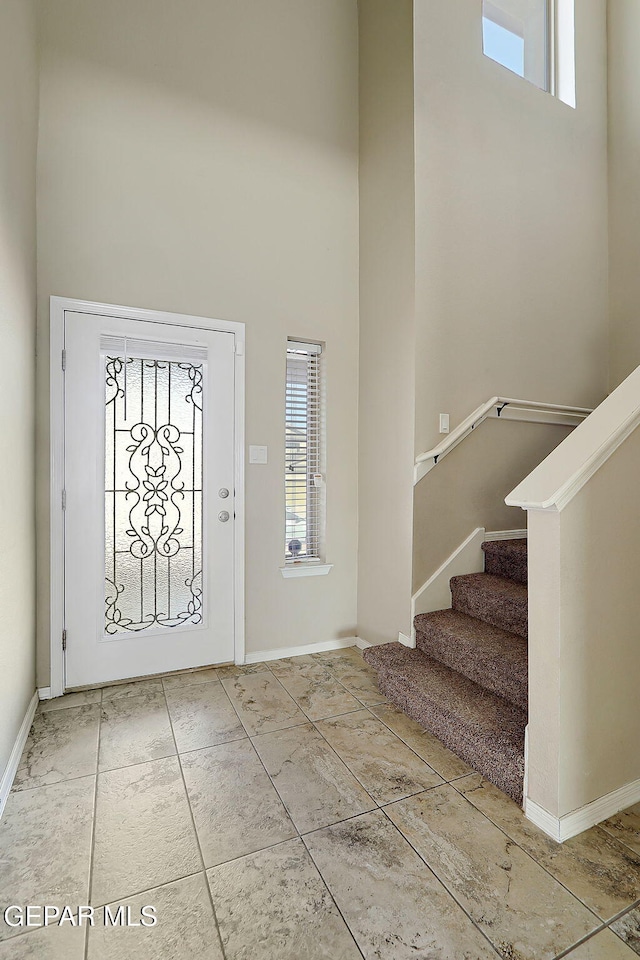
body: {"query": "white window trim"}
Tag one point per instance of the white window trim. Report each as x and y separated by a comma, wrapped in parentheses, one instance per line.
(305, 568)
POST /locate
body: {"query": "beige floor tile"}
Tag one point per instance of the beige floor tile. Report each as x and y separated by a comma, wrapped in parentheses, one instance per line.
(144, 835)
(202, 716)
(273, 905)
(186, 928)
(384, 765)
(306, 665)
(604, 946)
(246, 669)
(346, 654)
(134, 729)
(315, 785)
(46, 943)
(393, 904)
(603, 873)
(62, 744)
(628, 928)
(133, 689)
(78, 699)
(319, 694)
(45, 845)
(442, 760)
(359, 678)
(191, 678)
(262, 703)
(522, 910)
(625, 827)
(235, 806)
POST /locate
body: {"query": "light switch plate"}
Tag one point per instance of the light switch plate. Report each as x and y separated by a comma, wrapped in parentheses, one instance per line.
(258, 454)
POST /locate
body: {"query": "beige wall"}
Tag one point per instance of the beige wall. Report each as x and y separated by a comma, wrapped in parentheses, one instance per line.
(201, 156)
(624, 186)
(583, 629)
(511, 248)
(18, 133)
(387, 334)
(467, 489)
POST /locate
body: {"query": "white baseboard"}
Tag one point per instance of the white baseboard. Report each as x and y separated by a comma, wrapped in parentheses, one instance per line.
(506, 535)
(407, 641)
(12, 765)
(281, 652)
(362, 644)
(44, 693)
(525, 786)
(571, 824)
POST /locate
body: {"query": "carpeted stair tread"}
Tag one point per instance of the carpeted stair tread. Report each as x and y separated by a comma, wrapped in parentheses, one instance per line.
(502, 603)
(491, 657)
(506, 558)
(484, 730)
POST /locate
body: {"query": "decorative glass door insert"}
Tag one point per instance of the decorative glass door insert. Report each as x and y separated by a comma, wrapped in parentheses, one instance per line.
(153, 491)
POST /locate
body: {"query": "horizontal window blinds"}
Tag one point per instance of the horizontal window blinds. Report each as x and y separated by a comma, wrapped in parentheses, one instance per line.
(304, 483)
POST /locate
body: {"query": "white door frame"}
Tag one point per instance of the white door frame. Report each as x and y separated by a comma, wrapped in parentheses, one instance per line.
(58, 307)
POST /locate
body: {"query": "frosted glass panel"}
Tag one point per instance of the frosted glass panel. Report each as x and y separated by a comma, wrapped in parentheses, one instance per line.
(153, 494)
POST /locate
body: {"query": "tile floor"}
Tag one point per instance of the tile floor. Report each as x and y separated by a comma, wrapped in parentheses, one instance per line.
(285, 811)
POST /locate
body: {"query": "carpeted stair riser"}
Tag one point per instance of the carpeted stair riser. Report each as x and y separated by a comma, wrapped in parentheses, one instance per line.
(502, 603)
(481, 728)
(490, 657)
(506, 558)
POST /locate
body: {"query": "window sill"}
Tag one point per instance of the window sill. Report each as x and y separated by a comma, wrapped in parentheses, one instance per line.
(306, 568)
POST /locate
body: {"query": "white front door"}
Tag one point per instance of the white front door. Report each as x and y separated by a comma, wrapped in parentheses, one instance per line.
(149, 511)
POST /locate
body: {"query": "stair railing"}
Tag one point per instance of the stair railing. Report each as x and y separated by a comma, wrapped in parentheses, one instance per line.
(500, 408)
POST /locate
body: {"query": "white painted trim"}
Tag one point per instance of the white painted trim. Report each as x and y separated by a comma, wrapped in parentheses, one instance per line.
(407, 641)
(506, 535)
(501, 408)
(44, 693)
(525, 786)
(467, 558)
(58, 307)
(306, 570)
(571, 824)
(56, 486)
(239, 504)
(557, 480)
(320, 647)
(363, 644)
(14, 758)
(435, 593)
(540, 818)
(568, 490)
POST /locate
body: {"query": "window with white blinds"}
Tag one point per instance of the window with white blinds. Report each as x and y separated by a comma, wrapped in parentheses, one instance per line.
(304, 452)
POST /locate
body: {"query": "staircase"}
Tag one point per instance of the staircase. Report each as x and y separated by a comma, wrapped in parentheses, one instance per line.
(466, 681)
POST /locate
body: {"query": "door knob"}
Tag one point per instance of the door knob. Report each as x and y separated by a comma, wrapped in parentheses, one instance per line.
(223, 516)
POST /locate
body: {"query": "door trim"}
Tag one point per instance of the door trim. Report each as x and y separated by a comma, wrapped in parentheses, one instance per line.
(58, 307)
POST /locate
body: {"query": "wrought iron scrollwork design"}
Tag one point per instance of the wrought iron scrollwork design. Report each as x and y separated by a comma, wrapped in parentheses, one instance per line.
(149, 505)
